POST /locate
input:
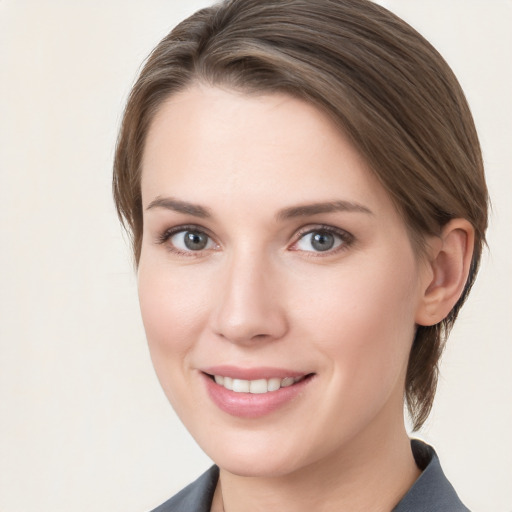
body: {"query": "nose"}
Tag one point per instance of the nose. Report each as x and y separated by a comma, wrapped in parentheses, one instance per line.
(250, 305)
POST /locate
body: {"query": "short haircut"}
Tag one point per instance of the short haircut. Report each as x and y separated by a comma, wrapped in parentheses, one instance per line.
(380, 81)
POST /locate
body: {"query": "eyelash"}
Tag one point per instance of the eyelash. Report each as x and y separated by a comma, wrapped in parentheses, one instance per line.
(345, 237)
(167, 234)
(346, 240)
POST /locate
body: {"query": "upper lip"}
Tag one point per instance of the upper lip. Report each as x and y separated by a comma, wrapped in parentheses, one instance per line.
(261, 372)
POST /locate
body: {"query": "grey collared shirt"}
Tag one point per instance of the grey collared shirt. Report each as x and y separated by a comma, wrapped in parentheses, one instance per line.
(432, 492)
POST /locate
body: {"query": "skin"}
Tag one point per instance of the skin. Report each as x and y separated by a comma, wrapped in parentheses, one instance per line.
(259, 294)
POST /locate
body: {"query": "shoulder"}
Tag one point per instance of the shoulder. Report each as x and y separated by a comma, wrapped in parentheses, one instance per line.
(196, 497)
(432, 492)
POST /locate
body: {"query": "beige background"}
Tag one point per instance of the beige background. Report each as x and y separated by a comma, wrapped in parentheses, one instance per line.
(84, 425)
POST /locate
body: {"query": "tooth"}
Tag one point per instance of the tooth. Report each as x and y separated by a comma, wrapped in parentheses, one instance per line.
(287, 381)
(274, 384)
(241, 386)
(258, 386)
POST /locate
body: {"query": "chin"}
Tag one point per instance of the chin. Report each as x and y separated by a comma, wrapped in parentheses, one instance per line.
(266, 466)
(257, 454)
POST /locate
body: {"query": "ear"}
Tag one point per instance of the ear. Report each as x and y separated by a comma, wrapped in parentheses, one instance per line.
(449, 261)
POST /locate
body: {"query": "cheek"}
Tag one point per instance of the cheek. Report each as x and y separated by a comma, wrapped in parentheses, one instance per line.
(173, 306)
(363, 320)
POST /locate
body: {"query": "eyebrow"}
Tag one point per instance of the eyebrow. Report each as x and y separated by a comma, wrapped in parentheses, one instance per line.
(169, 203)
(316, 208)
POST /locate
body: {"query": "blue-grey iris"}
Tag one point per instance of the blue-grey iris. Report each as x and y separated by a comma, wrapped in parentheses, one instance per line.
(322, 241)
(195, 241)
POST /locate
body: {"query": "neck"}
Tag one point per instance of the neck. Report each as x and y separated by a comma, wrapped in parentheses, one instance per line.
(366, 476)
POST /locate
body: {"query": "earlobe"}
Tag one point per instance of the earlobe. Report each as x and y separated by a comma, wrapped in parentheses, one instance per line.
(448, 269)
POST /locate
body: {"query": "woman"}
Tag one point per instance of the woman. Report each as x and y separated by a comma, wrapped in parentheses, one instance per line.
(305, 193)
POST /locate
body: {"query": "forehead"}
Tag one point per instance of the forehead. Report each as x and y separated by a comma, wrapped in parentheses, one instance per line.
(211, 144)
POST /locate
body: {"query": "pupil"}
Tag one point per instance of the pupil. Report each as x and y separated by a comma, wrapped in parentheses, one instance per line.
(195, 241)
(322, 241)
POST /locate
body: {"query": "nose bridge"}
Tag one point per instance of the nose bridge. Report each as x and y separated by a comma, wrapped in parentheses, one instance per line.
(249, 304)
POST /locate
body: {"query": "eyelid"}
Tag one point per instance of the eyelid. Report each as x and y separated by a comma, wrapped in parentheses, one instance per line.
(164, 237)
(346, 237)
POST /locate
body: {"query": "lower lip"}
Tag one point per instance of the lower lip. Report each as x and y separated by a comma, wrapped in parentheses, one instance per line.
(252, 405)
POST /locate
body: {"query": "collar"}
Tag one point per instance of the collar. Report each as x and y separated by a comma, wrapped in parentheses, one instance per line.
(432, 492)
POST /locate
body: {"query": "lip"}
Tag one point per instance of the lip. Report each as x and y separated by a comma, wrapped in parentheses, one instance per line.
(249, 405)
(262, 372)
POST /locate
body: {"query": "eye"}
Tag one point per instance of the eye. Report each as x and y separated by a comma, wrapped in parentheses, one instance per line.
(187, 240)
(323, 240)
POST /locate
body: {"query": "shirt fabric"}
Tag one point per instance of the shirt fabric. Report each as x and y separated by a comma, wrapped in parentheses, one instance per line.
(432, 492)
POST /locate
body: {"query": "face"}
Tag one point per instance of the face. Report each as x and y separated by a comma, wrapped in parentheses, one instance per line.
(277, 283)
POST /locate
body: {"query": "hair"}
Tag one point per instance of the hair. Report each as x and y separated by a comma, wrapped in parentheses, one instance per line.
(381, 82)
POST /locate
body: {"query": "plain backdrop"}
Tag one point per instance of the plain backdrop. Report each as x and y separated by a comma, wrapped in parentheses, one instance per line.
(84, 425)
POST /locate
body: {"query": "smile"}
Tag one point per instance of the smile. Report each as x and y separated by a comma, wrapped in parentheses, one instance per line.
(258, 386)
(258, 394)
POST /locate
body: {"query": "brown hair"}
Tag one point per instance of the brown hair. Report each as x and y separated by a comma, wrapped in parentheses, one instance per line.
(386, 87)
